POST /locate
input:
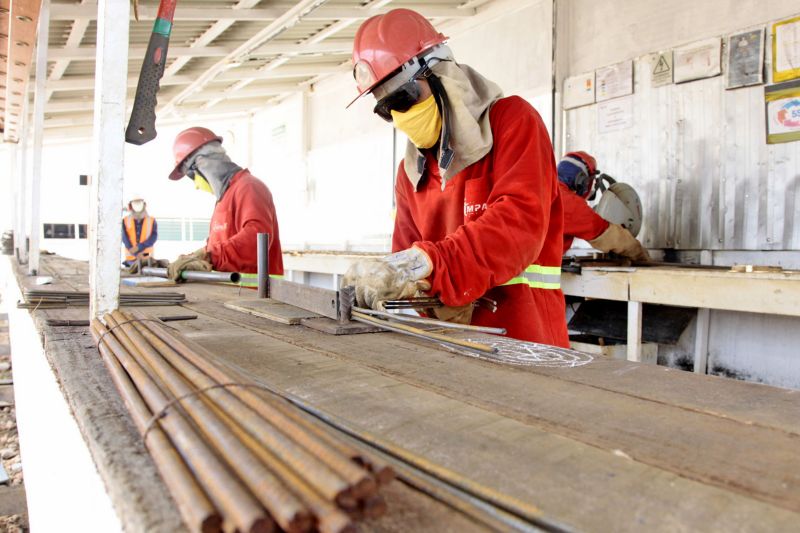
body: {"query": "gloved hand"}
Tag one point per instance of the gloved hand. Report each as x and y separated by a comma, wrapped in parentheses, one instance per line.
(133, 250)
(399, 275)
(456, 315)
(197, 260)
(619, 240)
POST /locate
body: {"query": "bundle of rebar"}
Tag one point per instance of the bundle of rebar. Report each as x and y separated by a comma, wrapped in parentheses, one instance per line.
(432, 302)
(233, 452)
(55, 299)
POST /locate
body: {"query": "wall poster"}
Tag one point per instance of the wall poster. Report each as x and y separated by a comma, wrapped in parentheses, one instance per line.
(579, 90)
(783, 112)
(615, 115)
(745, 59)
(614, 81)
(698, 60)
(786, 50)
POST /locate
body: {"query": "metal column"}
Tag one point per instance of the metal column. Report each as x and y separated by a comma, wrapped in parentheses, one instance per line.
(38, 134)
(110, 90)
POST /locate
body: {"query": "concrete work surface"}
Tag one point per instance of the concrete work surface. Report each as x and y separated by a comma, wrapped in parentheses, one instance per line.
(595, 444)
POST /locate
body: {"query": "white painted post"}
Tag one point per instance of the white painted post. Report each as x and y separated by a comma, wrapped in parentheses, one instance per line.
(111, 73)
(12, 173)
(22, 182)
(701, 341)
(635, 331)
(38, 134)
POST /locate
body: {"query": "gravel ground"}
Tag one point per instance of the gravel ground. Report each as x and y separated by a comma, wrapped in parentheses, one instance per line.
(9, 449)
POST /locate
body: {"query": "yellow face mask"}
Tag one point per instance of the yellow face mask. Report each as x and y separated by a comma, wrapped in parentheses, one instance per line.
(201, 184)
(422, 123)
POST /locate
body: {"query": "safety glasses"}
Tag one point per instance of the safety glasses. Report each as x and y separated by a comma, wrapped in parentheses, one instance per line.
(191, 171)
(400, 100)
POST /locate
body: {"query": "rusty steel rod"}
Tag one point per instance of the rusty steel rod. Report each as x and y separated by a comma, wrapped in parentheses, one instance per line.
(255, 397)
(410, 319)
(314, 470)
(329, 519)
(319, 454)
(283, 506)
(263, 400)
(228, 494)
(196, 509)
(424, 335)
(243, 457)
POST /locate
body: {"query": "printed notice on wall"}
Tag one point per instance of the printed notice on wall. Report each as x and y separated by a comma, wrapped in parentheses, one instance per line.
(615, 115)
(786, 50)
(579, 90)
(698, 60)
(614, 81)
(783, 112)
(660, 69)
(745, 59)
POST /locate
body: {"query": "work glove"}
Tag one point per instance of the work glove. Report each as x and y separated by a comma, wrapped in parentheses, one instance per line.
(456, 315)
(395, 276)
(619, 240)
(198, 260)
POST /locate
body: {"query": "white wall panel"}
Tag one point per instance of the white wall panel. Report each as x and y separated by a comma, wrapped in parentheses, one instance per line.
(603, 32)
(697, 153)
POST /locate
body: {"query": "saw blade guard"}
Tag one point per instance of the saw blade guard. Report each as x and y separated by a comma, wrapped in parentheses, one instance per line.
(620, 204)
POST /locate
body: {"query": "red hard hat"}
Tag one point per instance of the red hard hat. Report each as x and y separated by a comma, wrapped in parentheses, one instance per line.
(186, 143)
(384, 43)
(587, 159)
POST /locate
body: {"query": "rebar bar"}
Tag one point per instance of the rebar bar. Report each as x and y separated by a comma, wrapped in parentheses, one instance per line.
(307, 465)
(283, 506)
(425, 335)
(430, 322)
(196, 509)
(320, 456)
(240, 449)
(228, 494)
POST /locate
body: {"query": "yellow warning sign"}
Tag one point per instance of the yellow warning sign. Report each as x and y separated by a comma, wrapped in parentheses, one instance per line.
(661, 69)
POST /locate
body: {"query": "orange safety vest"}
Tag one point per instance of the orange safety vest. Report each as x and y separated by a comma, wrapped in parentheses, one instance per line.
(130, 229)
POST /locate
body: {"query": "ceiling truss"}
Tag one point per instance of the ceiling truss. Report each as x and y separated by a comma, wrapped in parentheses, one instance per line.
(221, 59)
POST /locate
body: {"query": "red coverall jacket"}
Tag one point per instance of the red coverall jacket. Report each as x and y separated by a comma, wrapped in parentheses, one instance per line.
(493, 220)
(245, 210)
(580, 220)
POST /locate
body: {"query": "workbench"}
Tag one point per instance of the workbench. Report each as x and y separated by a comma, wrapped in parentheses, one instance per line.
(774, 293)
(607, 446)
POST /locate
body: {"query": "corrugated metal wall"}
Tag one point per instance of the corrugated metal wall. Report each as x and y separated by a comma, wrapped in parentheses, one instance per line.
(698, 157)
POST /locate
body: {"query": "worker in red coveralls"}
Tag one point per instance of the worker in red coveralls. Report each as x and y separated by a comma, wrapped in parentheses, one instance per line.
(576, 176)
(244, 208)
(478, 207)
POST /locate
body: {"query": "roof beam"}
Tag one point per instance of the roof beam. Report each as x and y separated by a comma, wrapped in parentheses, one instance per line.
(250, 92)
(276, 63)
(288, 19)
(87, 53)
(148, 12)
(76, 33)
(84, 53)
(209, 35)
(86, 83)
